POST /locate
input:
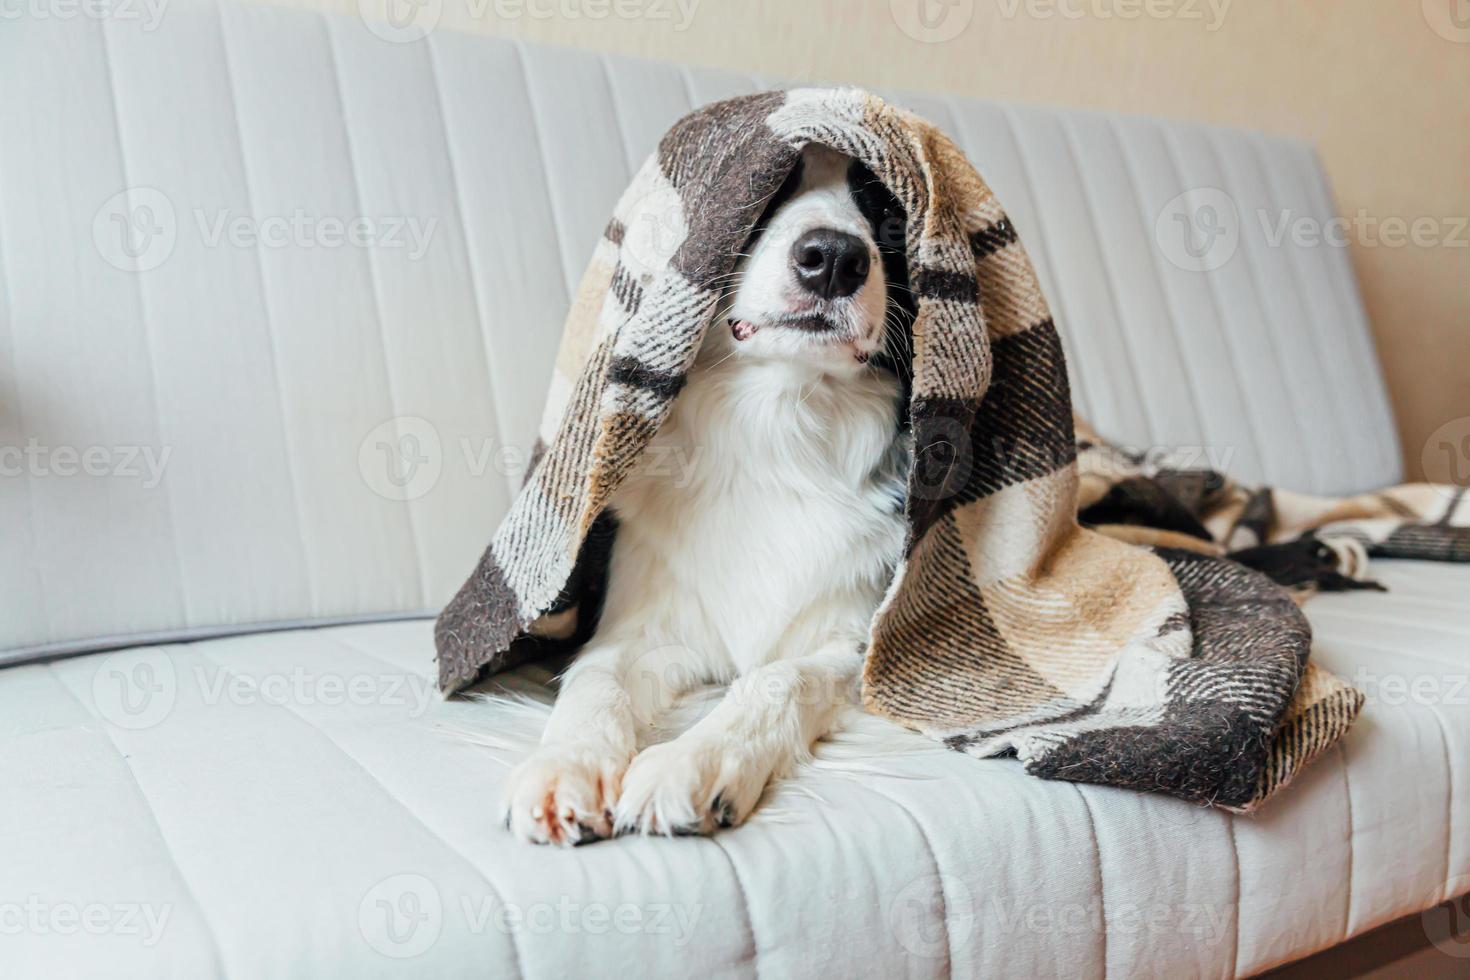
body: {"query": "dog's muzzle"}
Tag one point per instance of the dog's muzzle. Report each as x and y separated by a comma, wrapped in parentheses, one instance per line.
(829, 263)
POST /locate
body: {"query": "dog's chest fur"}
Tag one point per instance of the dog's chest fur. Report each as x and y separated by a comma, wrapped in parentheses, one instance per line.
(766, 512)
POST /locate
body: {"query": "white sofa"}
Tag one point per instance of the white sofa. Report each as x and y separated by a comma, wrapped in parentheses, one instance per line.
(246, 470)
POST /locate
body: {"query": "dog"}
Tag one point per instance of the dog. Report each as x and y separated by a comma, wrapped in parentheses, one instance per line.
(762, 566)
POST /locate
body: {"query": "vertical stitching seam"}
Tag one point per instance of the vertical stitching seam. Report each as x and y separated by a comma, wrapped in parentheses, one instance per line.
(105, 730)
(122, 158)
(372, 268)
(292, 476)
(481, 320)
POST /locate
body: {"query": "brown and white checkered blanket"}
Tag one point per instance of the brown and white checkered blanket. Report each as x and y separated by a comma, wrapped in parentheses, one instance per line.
(1303, 542)
(1008, 626)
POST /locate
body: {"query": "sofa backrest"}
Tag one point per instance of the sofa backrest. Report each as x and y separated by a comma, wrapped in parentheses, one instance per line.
(279, 299)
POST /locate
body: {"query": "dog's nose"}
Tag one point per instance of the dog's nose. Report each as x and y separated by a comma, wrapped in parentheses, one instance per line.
(829, 262)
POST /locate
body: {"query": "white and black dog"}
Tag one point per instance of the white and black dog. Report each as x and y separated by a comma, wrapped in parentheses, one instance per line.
(763, 565)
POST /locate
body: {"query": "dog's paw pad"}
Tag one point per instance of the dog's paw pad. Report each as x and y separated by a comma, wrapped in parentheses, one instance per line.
(564, 795)
(688, 787)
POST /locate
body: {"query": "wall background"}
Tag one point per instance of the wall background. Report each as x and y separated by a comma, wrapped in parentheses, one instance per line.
(1382, 87)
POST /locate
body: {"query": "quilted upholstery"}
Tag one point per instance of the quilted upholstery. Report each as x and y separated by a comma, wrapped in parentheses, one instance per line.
(270, 374)
(271, 826)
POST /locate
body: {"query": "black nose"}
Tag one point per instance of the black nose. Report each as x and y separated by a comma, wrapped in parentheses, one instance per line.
(829, 262)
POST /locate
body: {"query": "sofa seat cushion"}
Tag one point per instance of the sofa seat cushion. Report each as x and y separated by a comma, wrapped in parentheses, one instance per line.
(302, 804)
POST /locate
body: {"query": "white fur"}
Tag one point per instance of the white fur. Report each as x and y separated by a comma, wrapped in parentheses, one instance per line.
(759, 565)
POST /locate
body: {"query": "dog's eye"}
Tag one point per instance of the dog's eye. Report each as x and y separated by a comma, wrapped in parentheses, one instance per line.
(783, 194)
(885, 214)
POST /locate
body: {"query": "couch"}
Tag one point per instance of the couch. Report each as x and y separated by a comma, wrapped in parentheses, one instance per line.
(279, 294)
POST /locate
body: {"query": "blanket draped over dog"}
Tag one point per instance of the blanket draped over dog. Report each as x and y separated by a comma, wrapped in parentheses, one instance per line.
(1007, 626)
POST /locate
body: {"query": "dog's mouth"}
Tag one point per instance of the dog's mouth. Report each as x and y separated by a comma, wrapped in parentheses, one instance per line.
(813, 323)
(819, 327)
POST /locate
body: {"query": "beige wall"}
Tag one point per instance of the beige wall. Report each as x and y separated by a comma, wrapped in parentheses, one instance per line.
(1383, 94)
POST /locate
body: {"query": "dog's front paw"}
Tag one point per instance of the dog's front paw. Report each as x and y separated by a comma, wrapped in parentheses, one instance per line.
(691, 785)
(564, 794)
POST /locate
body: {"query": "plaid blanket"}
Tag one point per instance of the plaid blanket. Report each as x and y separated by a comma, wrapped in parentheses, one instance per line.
(1008, 626)
(1303, 542)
